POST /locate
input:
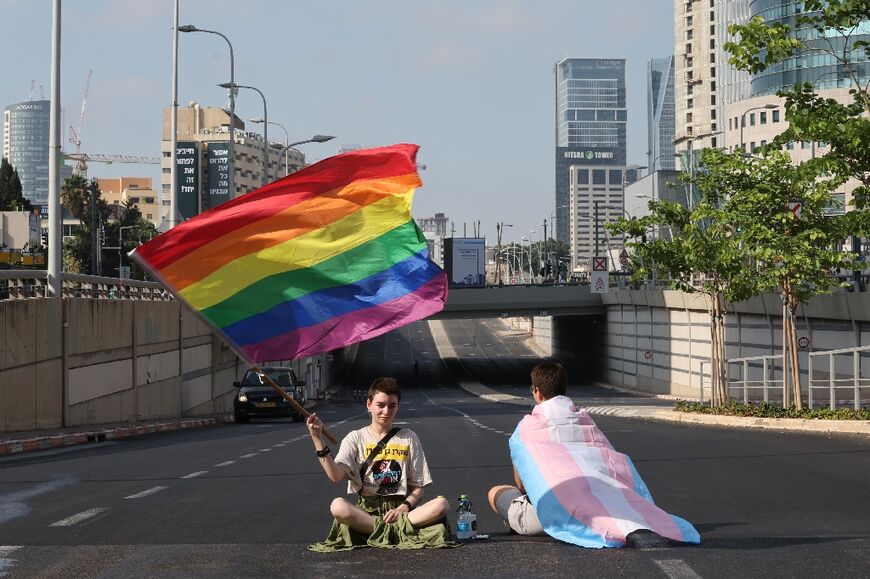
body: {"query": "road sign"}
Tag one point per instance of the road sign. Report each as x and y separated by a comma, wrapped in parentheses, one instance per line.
(795, 207)
(599, 264)
(804, 343)
(623, 258)
(124, 272)
(599, 282)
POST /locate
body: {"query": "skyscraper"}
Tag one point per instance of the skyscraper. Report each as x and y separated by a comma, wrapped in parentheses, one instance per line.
(590, 152)
(660, 114)
(25, 146)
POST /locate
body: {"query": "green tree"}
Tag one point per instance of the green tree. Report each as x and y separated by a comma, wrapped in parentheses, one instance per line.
(11, 193)
(136, 229)
(825, 27)
(700, 256)
(83, 200)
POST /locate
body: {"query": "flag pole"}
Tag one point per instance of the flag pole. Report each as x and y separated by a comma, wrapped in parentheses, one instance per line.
(299, 408)
(229, 343)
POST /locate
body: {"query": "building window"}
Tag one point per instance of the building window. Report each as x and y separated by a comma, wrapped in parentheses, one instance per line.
(752, 147)
(690, 62)
(713, 113)
(713, 85)
(751, 119)
(615, 177)
(712, 29)
(713, 142)
(762, 117)
(713, 100)
(688, 21)
(775, 116)
(599, 177)
(582, 177)
(790, 145)
(689, 76)
(689, 119)
(690, 103)
(712, 44)
(690, 89)
(688, 48)
(712, 57)
(729, 124)
(763, 143)
(689, 34)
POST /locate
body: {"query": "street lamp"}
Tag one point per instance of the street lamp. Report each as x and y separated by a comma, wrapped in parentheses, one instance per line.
(286, 139)
(743, 120)
(233, 86)
(191, 28)
(314, 139)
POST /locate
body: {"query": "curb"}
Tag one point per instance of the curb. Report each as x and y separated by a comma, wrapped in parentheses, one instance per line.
(791, 424)
(17, 446)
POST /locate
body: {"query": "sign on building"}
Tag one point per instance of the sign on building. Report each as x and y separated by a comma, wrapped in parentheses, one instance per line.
(187, 178)
(464, 260)
(220, 184)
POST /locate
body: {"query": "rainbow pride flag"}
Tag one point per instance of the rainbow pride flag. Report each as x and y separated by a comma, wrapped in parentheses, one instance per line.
(583, 491)
(320, 259)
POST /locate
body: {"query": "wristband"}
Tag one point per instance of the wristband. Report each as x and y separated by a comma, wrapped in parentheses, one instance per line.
(323, 453)
(409, 505)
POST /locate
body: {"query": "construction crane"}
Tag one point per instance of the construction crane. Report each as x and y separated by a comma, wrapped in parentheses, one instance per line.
(75, 135)
(82, 160)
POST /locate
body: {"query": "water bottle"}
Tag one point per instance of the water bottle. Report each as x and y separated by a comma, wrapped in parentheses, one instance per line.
(466, 521)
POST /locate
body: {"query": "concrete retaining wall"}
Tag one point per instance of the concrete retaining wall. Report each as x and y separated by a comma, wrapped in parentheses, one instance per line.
(91, 361)
(657, 340)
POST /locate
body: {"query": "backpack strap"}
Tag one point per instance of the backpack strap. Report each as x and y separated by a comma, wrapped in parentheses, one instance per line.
(364, 468)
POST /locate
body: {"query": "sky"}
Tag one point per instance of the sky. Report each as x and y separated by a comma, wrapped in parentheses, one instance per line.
(470, 81)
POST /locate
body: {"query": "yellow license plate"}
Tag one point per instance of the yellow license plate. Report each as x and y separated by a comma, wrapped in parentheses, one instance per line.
(264, 404)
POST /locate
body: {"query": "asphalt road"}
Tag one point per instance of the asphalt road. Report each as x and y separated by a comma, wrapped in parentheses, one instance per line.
(245, 500)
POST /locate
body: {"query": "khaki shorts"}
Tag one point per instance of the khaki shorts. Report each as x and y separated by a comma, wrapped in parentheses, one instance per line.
(516, 510)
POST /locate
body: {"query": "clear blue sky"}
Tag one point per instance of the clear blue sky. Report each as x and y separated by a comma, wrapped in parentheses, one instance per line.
(470, 81)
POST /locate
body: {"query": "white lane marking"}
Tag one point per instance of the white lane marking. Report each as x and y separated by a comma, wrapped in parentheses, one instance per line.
(676, 569)
(279, 445)
(265, 450)
(226, 463)
(6, 564)
(79, 517)
(146, 492)
(194, 474)
(249, 455)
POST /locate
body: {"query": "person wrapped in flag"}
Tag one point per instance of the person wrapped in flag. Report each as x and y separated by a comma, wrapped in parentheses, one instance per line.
(570, 482)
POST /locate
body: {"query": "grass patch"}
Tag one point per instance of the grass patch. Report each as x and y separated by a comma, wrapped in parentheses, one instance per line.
(767, 410)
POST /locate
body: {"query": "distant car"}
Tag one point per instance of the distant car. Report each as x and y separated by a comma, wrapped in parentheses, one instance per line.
(257, 399)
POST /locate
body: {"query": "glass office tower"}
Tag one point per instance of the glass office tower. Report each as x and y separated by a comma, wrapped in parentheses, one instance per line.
(660, 114)
(25, 146)
(590, 127)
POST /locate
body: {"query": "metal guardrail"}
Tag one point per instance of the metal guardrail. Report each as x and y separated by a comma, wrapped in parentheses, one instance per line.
(29, 284)
(832, 383)
(767, 383)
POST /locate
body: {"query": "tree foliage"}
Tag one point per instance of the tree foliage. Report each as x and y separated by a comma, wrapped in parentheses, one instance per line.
(11, 193)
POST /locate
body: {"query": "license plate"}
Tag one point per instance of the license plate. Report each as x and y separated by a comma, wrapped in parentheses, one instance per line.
(264, 404)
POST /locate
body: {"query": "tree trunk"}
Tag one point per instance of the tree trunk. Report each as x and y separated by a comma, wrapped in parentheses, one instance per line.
(717, 352)
(795, 361)
(784, 354)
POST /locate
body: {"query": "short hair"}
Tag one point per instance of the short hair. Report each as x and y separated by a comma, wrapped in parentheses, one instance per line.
(550, 379)
(389, 386)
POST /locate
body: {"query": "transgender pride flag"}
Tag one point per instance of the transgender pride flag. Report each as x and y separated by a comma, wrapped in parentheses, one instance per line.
(585, 492)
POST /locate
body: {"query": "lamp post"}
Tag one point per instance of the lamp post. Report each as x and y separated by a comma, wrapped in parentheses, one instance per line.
(286, 140)
(314, 139)
(499, 229)
(191, 28)
(233, 86)
(743, 120)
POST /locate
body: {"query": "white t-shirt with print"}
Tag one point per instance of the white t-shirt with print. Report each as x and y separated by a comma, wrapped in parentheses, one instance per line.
(400, 464)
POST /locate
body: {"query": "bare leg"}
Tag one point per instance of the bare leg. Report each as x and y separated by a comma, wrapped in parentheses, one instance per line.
(429, 512)
(496, 492)
(352, 516)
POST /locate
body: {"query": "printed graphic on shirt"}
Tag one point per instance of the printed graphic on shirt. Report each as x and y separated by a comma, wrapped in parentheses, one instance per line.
(390, 452)
(386, 471)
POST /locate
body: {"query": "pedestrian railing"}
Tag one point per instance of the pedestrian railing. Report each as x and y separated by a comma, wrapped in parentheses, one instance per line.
(848, 370)
(754, 374)
(26, 284)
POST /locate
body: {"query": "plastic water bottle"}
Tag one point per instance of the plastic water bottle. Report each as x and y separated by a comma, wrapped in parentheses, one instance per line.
(466, 521)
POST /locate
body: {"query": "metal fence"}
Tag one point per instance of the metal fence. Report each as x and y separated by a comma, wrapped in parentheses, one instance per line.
(847, 370)
(28, 284)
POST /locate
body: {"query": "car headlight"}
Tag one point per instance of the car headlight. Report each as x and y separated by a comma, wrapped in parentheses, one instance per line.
(243, 397)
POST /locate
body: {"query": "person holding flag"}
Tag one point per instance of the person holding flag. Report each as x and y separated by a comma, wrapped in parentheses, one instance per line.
(387, 467)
